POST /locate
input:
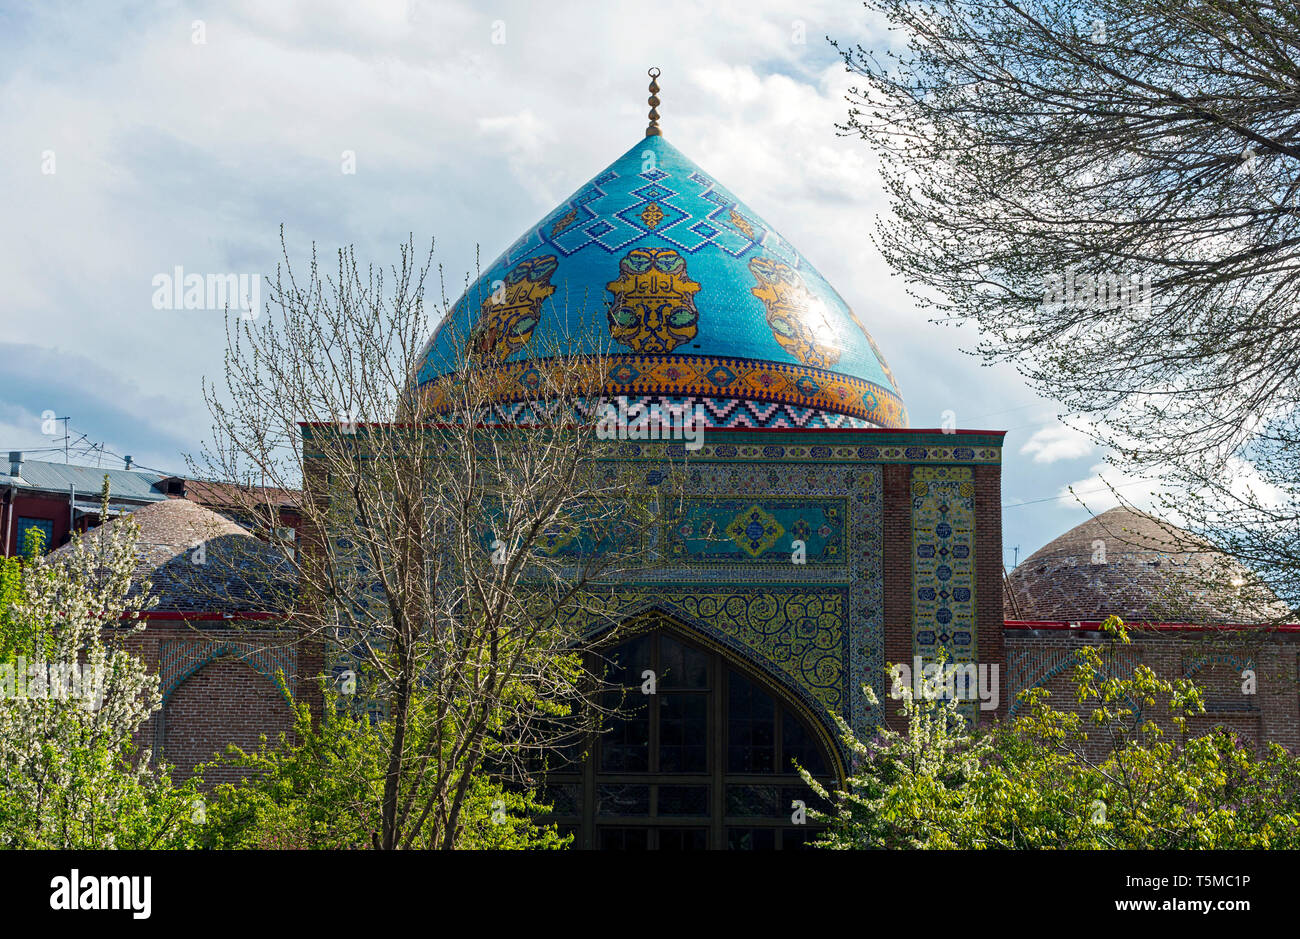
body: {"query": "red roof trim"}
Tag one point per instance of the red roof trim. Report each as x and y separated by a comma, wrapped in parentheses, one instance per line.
(1095, 626)
(180, 616)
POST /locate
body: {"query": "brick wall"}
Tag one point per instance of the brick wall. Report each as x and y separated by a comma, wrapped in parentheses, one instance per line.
(222, 703)
(212, 694)
(1213, 660)
(988, 575)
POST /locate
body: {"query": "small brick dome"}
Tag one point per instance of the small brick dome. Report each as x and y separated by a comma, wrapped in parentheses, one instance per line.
(200, 561)
(1131, 565)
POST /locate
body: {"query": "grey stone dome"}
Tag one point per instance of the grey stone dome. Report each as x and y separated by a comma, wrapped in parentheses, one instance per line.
(1134, 566)
(199, 561)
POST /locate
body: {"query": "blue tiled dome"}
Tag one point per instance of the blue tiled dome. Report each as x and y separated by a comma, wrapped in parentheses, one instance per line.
(694, 297)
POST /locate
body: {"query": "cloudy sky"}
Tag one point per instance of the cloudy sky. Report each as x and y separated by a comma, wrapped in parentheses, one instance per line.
(143, 137)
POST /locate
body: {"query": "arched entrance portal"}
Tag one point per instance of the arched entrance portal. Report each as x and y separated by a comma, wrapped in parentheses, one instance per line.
(703, 762)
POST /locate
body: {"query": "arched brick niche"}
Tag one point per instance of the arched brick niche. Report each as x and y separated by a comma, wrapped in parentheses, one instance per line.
(224, 701)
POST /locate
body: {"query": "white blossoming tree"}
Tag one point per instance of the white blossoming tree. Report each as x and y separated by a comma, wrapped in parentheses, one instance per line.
(72, 699)
(909, 788)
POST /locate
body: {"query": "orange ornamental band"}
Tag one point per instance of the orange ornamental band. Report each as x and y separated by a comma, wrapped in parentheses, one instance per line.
(694, 375)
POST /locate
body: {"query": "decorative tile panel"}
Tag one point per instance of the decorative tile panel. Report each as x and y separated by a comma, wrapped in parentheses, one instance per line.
(943, 563)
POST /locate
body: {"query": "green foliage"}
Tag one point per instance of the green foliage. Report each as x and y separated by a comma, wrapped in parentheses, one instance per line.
(15, 638)
(73, 701)
(322, 787)
(498, 818)
(99, 796)
(1106, 776)
(10, 584)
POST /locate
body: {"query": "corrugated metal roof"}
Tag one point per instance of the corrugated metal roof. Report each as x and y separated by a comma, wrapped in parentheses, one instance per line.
(88, 480)
(85, 507)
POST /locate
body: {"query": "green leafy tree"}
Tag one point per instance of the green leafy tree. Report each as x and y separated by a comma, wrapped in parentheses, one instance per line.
(15, 639)
(324, 789)
(1109, 775)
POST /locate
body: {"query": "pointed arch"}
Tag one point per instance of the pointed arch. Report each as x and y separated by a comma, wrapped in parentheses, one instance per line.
(697, 749)
(737, 655)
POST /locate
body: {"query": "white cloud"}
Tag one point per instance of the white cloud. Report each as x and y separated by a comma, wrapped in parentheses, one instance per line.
(1249, 486)
(1057, 442)
(171, 153)
(1106, 487)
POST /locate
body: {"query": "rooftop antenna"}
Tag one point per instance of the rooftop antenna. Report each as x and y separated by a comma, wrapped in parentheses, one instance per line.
(653, 101)
(66, 436)
(79, 439)
(1010, 594)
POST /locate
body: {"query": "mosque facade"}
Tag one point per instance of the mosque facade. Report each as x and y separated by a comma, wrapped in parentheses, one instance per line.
(700, 306)
(820, 537)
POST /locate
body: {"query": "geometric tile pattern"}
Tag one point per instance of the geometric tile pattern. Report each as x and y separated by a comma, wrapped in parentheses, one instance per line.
(724, 379)
(655, 257)
(757, 531)
(734, 413)
(817, 626)
(800, 633)
(799, 450)
(943, 563)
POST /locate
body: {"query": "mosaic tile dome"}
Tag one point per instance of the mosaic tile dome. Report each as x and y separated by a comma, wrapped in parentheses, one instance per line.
(697, 301)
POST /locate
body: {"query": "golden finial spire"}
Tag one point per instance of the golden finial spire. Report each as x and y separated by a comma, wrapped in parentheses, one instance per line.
(653, 101)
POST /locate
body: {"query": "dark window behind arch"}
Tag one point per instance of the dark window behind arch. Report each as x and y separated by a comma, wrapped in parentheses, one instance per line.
(703, 762)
